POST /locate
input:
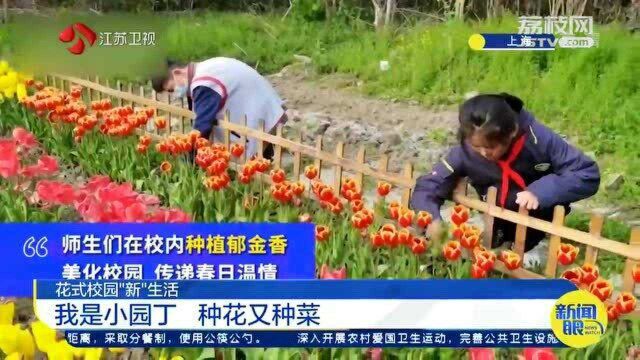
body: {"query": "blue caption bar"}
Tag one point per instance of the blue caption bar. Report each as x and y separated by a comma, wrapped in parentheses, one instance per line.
(314, 289)
(518, 42)
(336, 339)
(198, 251)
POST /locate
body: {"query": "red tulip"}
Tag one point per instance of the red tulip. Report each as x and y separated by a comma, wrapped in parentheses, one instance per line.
(405, 237)
(469, 240)
(601, 288)
(160, 122)
(165, 167)
(357, 205)
(418, 246)
(277, 176)
(55, 192)
(567, 254)
(405, 218)
(612, 312)
(297, 188)
(145, 140)
(9, 161)
(383, 188)
(510, 259)
(327, 273)
(625, 303)
(394, 210)
(477, 272)
(311, 172)
(636, 272)
(574, 275)
(452, 250)
(389, 236)
(539, 354)
(237, 150)
(24, 138)
(322, 233)
(458, 231)
(423, 219)
(481, 354)
(359, 220)
(589, 273)
(460, 215)
(485, 260)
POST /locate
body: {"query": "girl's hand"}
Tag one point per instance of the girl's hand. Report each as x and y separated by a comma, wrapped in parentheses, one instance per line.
(527, 199)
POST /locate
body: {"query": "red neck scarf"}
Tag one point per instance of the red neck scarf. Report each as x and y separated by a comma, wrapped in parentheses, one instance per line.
(508, 173)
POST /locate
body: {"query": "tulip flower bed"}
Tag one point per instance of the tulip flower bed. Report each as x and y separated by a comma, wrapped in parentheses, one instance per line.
(62, 160)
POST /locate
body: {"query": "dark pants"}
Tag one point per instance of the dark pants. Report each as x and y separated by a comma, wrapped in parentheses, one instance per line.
(505, 231)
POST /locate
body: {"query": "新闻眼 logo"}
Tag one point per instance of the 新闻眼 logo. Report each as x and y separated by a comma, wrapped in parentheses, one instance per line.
(579, 319)
(86, 34)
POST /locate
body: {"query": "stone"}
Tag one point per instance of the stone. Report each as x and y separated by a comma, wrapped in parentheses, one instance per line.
(322, 127)
(394, 139)
(303, 59)
(614, 182)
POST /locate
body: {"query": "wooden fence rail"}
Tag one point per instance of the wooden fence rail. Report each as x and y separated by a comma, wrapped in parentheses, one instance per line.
(404, 181)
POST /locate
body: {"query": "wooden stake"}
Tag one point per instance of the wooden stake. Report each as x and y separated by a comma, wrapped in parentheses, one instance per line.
(554, 243)
(360, 159)
(521, 234)
(317, 162)
(408, 175)
(277, 154)
(628, 284)
(492, 196)
(297, 158)
(595, 228)
(338, 169)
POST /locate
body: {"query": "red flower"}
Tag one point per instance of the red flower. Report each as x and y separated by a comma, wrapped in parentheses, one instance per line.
(277, 176)
(574, 275)
(237, 150)
(329, 274)
(165, 167)
(423, 219)
(539, 354)
(485, 260)
(601, 288)
(394, 210)
(405, 237)
(406, 218)
(141, 148)
(135, 213)
(567, 254)
(55, 192)
(145, 140)
(418, 246)
(169, 216)
(357, 205)
(477, 272)
(469, 240)
(510, 259)
(383, 188)
(589, 273)
(160, 123)
(9, 161)
(322, 233)
(452, 250)
(481, 354)
(376, 240)
(24, 138)
(612, 312)
(636, 272)
(625, 303)
(311, 172)
(460, 215)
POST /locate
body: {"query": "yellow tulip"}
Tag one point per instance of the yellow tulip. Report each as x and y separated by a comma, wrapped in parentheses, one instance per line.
(177, 358)
(25, 343)
(93, 354)
(117, 350)
(60, 350)
(9, 92)
(3, 67)
(21, 91)
(9, 338)
(79, 352)
(4, 82)
(7, 312)
(14, 356)
(44, 336)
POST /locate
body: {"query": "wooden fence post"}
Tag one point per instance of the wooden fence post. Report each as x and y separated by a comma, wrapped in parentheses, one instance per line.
(521, 234)
(317, 162)
(338, 168)
(407, 172)
(595, 229)
(628, 283)
(492, 195)
(243, 140)
(360, 157)
(554, 243)
(98, 93)
(297, 158)
(277, 150)
(260, 150)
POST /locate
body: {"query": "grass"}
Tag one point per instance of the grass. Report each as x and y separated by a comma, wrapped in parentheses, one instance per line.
(588, 94)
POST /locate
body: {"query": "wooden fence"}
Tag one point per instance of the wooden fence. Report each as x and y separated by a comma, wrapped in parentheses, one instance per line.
(405, 181)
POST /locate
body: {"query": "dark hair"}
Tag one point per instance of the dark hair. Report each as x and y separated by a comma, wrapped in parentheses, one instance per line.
(494, 115)
(158, 81)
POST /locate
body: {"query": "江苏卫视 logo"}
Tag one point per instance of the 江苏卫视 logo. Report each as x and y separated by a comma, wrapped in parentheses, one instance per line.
(579, 319)
(69, 33)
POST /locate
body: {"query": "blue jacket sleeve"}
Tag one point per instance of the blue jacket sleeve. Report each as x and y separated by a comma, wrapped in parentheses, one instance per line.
(433, 189)
(206, 105)
(575, 176)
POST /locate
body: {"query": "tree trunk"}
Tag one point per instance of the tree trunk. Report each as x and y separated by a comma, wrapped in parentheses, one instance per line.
(5, 11)
(390, 11)
(379, 9)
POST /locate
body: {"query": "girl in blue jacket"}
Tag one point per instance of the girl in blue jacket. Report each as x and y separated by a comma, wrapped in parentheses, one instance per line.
(503, 145)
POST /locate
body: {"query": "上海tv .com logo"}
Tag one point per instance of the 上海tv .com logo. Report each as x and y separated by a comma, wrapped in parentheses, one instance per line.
(541, 33)
(85, 37)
